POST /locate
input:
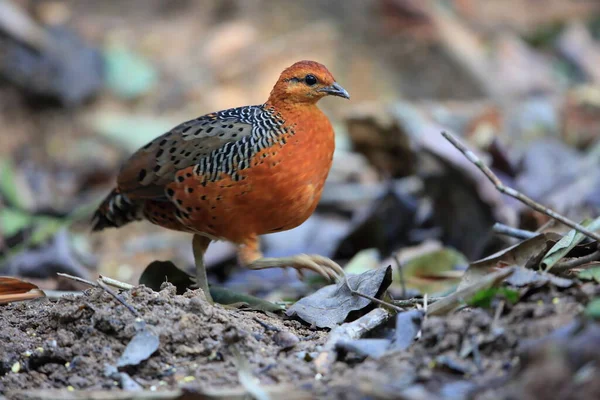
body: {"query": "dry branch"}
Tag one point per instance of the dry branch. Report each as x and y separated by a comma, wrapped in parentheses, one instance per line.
(514, 193)
(506, 230)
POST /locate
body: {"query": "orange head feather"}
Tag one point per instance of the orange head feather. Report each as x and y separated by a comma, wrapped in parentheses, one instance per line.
(305, 82)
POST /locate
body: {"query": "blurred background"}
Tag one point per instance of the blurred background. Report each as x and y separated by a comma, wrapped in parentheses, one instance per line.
(84, 83)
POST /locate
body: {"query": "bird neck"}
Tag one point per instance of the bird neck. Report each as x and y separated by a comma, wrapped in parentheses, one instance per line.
(291, 109)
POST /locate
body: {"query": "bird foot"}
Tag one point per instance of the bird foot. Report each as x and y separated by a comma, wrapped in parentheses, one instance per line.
(319, 264)
(197, 284)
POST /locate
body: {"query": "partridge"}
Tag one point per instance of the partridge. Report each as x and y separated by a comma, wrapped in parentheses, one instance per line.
(236, 174)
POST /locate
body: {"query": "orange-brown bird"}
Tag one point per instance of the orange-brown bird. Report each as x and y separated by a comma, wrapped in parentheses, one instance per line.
(236, 174)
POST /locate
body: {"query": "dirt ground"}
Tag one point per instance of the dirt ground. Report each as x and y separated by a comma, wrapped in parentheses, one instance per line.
(69, 343)
(213, 54)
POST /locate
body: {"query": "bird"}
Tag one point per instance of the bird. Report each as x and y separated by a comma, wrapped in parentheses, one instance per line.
(236, 174)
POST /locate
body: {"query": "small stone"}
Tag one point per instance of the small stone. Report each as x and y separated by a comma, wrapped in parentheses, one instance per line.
(16, 367)
(285, 339)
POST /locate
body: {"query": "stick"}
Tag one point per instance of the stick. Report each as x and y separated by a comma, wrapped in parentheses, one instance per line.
(348, 331)
(576, 262)
(100, 283)
(104, 279)
(506, 230)
(116, 283)
(400, 275)
(415, 301)
(515, 194)
(373, 299)
(117, 297)
(77, 279)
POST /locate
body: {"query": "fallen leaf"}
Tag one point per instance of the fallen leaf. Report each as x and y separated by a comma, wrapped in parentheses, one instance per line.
(364, 260)
(330, 305)
(520, 254)
(593, 309)
(451, 302)
(433, 272)
(566, 244)
(128, 75)
(484, 297)
(13, 289)
(349, 331)
(373, 348)
(527, 277)
(590, 274)
(158, 272)
(141, 346)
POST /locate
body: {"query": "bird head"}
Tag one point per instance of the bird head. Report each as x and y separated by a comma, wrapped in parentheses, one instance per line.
(306, 82)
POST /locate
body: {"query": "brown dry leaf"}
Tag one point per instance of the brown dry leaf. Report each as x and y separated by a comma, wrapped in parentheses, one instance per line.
(521, 254)
(13, 289)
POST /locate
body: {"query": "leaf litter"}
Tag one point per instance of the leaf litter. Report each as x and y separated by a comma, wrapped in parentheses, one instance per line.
(459, 346)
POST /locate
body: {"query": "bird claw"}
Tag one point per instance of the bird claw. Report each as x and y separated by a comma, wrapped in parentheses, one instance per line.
(323, 266)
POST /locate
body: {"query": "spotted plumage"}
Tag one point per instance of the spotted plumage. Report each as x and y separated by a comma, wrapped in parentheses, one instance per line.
(237, 173)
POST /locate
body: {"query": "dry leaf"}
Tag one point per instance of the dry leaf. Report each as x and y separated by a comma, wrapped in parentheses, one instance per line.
(13, 289)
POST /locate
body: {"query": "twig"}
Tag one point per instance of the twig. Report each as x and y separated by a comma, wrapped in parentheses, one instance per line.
(117, 297)
(415, 301)
(451, 302)
(348, 331)
(100, 283)
(549, 224)
(497, 314)
(116, 283)
(268, 327)
(400, 275)
(475, 351)
(77, 279)
(515, 194)
(506, 230)
(576, 262)
(104, 279)
(57, 294)
(373, 299)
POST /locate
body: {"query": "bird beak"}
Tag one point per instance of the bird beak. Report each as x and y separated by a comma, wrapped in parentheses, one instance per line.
(335, 90)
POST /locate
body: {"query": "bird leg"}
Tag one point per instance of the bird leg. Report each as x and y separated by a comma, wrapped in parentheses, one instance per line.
(251, 257)
(199, 246)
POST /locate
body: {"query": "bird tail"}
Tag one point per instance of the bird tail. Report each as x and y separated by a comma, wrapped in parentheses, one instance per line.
(115, 211)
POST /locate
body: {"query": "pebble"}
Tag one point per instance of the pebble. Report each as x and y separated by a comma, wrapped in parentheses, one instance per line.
(285, 339)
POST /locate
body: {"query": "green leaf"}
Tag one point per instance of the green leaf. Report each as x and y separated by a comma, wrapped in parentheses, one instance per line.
(566, 244)
(228, 297)
(590, 274)
(127, 74)
(593, 309)
(8, 184)
(12, 221)
(433, 272)
(129, 131)
(363, 261)
(484, 297)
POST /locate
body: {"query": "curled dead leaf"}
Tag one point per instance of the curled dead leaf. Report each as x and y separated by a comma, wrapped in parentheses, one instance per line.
(13, 289)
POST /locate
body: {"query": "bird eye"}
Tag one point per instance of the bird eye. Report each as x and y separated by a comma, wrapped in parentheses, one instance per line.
(310, 80)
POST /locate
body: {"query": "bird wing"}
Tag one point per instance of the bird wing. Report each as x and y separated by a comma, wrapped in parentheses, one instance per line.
(148, 170)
